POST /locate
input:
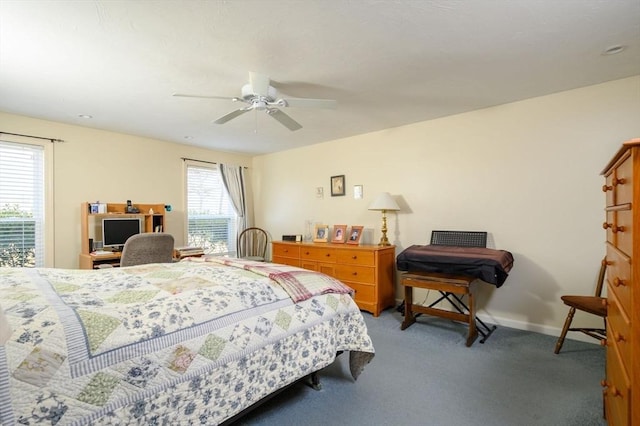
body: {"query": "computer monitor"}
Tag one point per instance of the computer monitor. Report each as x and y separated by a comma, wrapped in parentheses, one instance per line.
(116, 231)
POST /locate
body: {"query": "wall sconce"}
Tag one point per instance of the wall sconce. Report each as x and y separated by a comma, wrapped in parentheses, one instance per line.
(384, 203)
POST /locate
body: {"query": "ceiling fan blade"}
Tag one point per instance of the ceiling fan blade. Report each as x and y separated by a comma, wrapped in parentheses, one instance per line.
(311, 103)
(284, 119)
(259, 83)
(231, 115)
(183, 95)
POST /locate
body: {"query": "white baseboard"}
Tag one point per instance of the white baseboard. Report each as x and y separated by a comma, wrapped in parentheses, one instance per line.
(537, 328)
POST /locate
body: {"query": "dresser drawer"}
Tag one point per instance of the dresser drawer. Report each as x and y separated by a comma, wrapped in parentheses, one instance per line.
(624, 231)
(618, 329)
(607, 188)
(356, 257)
(320, 254)
(286, 250)
(609, 224)
(286, 261)
(618, 390)
(364, 293)
(360, 274)
(623, 182)
(619, 277)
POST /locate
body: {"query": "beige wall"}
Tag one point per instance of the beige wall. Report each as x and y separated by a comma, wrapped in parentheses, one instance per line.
(95, 165)
(526, 172)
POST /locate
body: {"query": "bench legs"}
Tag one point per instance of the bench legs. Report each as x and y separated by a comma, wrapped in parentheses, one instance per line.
(453, 293)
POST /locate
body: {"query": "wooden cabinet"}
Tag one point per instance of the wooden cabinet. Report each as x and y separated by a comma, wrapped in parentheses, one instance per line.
(152, 216)
(622, 215)
(369, 270)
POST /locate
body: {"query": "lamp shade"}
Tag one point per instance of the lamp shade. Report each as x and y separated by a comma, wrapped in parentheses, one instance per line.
(384, 201)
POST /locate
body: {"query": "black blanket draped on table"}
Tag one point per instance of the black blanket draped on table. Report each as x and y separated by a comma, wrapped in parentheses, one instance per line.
(489, 265)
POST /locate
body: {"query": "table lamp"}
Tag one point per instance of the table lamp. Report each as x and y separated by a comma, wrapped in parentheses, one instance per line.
(384, 203)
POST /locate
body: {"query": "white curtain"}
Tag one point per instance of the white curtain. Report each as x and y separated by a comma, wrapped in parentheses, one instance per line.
(233, 178)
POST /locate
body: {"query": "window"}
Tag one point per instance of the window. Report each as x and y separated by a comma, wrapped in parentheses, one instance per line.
(22, 202)
(211, 218)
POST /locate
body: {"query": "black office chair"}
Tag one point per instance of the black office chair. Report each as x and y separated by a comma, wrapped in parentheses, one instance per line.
(252, 244)
(595, 305)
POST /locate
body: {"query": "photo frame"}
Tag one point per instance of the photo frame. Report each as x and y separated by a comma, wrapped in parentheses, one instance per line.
(339, 234)
(337, 185)
(321, 234)
(354, 235)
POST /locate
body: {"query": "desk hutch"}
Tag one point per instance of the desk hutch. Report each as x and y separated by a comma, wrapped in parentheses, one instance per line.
(152, 216)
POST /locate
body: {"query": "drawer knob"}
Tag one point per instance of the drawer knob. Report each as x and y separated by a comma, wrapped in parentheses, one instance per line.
(606, 188)
(619, 181)
(617, 282)
(603, 342)
(615, 391)
(607, 225)
(354, 257)
(617, 229)
(354, 273)
(603, 383)
(328, 254)
(606, 262)
(618, 337)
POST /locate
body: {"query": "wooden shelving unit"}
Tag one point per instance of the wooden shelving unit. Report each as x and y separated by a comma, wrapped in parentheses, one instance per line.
(153, 219)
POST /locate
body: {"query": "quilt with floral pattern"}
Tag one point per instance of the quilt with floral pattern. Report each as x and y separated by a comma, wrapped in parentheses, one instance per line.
(193, 342)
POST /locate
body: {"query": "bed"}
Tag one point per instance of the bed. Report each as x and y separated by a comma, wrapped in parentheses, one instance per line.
(198, 341)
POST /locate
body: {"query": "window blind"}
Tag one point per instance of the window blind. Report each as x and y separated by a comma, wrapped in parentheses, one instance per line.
(21, 204)
(211, 218)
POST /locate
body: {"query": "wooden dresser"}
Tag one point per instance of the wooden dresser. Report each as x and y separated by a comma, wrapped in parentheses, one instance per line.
(622, 188)
(368, 269)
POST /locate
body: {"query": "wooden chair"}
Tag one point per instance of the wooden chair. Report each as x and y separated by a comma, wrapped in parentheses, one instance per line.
(252, 244)
(595, 305)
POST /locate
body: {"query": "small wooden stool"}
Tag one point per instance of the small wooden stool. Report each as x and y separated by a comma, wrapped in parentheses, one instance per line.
(452, 288)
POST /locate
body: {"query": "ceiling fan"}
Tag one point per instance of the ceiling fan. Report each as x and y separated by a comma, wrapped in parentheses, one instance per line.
(259, 95)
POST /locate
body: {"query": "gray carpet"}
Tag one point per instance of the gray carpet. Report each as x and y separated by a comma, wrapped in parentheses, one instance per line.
(426, 375)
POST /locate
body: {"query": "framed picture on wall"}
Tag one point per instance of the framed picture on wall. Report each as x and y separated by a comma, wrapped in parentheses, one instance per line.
(339, 234)
(321, 234)
(337, 185)
(355, 234)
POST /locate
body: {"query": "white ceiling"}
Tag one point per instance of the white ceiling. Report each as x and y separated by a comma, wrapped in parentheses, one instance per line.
(387, 63)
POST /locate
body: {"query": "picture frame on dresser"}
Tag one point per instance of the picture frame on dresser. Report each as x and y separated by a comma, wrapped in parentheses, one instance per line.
(355, 234)
(321, 234)
(339, 234)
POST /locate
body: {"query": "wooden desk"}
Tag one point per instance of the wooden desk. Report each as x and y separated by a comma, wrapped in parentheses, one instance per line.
(91, 261)
(452, 288)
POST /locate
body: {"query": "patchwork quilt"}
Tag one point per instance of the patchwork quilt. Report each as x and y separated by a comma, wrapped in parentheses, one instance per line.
(193, 342)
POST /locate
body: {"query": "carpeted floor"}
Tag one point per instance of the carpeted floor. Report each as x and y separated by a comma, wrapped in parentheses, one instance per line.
(426, 375)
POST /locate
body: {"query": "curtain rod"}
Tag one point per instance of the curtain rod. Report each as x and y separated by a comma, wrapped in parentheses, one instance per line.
(33, 137)
(203, 161)
(200, 161)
